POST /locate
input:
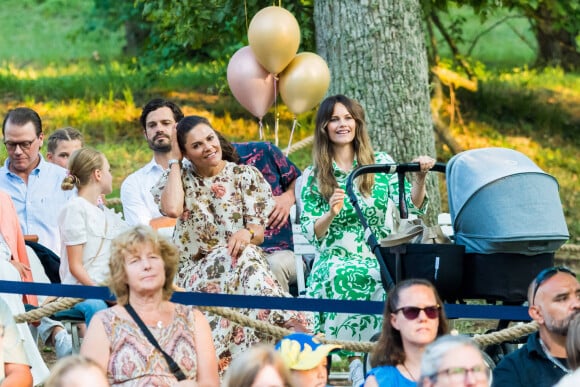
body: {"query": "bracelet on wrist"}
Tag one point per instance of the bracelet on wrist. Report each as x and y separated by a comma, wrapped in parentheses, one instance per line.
(251, 231)
(171, 162)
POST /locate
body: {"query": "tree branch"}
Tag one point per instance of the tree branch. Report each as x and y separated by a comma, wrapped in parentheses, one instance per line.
(452, 46)
(490, 28)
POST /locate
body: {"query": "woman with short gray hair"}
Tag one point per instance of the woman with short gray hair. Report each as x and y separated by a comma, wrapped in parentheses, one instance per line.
(454, 361)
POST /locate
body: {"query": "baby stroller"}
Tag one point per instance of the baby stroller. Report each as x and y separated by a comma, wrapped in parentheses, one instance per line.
(442, 264)
(507, 219)
(507, 213)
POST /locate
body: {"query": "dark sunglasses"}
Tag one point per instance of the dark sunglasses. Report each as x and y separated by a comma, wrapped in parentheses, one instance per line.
(545, 275)
(412, 312)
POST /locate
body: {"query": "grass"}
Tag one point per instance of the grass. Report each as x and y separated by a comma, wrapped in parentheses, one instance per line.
(37, 33)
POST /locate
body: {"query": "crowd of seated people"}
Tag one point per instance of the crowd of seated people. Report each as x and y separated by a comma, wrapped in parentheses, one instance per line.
(85, 228)
(215, 203)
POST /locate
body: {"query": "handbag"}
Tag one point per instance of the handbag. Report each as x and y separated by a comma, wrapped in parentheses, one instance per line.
(420, 251)
(173, 366)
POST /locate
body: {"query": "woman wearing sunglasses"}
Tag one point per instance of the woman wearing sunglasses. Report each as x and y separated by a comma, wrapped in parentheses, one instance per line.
(413, 318)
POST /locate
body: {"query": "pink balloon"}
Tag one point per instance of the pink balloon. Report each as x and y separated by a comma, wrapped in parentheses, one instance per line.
(250, 83)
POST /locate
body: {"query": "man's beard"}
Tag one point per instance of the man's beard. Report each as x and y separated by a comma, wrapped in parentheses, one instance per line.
(560, 327)
(159, 147)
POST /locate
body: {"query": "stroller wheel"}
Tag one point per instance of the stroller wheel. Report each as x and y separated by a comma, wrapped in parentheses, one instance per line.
(488, 360)
(496, 352)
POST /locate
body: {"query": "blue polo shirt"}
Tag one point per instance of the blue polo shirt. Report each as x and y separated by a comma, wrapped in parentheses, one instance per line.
(39, 201)
(526, 367)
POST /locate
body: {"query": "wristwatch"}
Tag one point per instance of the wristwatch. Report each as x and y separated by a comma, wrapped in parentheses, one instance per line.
(171, 162)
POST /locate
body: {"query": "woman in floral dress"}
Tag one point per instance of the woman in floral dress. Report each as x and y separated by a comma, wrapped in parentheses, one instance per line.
(222, 209)
(347, 269)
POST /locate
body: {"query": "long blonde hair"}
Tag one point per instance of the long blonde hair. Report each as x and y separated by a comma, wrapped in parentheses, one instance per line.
(81, 165)
(322, 151)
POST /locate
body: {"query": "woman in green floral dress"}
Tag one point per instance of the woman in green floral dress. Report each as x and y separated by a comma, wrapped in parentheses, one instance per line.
(346, 268)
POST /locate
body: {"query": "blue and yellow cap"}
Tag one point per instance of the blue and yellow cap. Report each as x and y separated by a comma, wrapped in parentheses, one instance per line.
(301, 351)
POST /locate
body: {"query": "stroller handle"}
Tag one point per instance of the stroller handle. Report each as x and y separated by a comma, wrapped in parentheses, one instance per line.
(400, 170)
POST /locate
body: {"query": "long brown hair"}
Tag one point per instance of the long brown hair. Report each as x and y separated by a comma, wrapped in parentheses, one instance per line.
(322, 151)
(389, 349)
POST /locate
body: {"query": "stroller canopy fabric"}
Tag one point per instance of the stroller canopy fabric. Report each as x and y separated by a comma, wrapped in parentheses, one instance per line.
(501, 202)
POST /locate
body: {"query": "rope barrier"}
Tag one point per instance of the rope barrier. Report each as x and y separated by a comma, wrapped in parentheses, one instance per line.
(299, 145)
(47, 310)
(277, 332)
(507, 334)
(569, 247)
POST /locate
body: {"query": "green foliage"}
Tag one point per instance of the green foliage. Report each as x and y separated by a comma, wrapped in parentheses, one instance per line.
(198, 29)
(41, 18)
(549, 19)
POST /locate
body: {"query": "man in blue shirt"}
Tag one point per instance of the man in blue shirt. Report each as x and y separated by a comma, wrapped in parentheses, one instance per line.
(32, 182)
(34, 186)
(554, 299)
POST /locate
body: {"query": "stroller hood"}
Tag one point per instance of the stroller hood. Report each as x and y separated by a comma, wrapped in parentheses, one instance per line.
(501, 202)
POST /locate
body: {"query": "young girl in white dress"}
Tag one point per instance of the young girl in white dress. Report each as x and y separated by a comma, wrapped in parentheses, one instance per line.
(87, 227)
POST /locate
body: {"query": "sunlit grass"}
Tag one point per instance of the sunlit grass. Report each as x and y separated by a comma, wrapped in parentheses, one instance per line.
(37, 33)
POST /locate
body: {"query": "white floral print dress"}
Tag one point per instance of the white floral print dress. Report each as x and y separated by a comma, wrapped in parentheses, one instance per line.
(215, 208)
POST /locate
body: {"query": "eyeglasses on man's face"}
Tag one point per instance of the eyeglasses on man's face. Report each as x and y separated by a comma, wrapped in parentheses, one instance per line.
(459, 374)
(412, 312)
(545, 275)
(24, 145)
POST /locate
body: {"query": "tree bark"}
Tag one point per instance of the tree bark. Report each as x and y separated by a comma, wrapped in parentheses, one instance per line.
(376, 53)
(557, 46)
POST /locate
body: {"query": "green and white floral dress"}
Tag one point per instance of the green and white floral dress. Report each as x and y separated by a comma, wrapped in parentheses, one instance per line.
(346, 268)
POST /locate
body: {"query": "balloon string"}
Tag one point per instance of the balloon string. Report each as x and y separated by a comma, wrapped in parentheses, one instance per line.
(294, 123)
(276, 113)
(246, 14)
(260, 129)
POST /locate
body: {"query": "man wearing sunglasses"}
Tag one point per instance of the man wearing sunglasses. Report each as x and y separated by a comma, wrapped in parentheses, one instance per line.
(554, 299)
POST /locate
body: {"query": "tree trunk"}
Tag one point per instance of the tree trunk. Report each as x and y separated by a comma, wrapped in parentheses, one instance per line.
(376, 53)
(556, 46)
(135, 36)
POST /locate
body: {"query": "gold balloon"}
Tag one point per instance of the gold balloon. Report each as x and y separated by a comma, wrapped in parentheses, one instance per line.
(304, 82)
(274, 37)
